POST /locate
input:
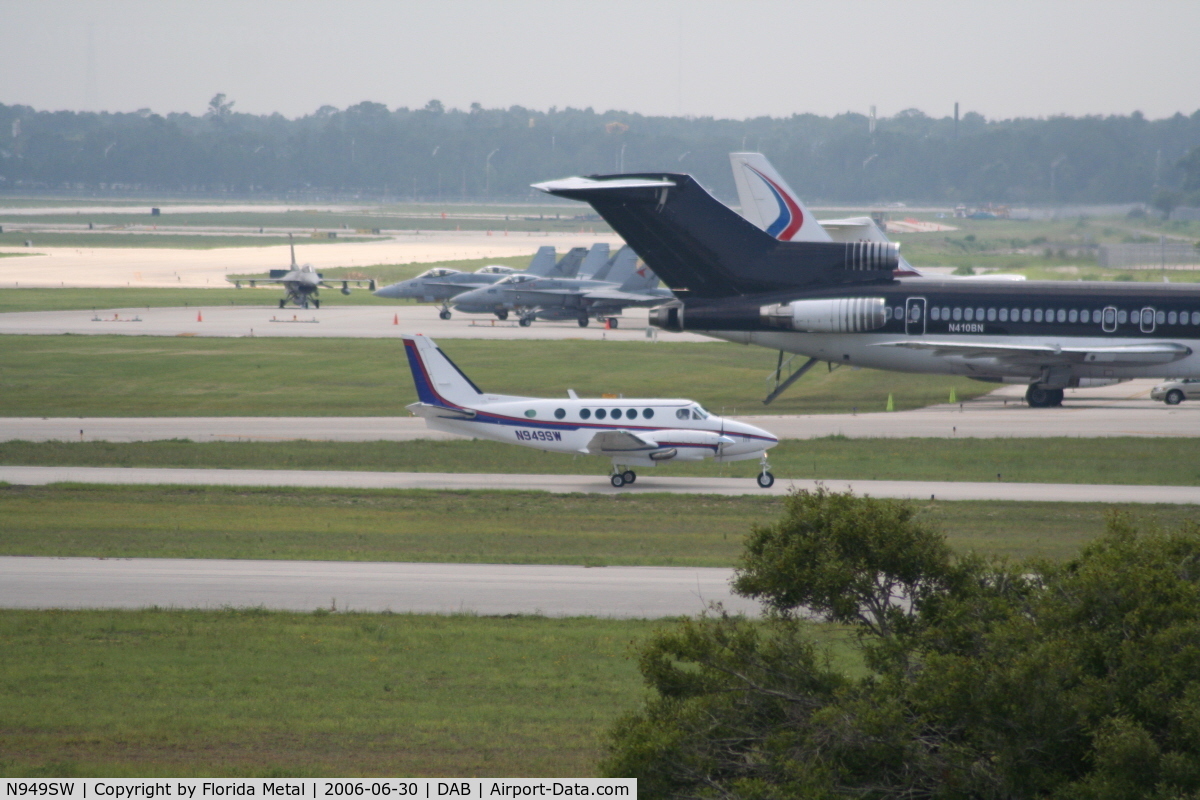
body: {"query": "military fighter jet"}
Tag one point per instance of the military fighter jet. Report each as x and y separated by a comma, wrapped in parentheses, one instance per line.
(302, 283)
(625, 284)
(628, 431)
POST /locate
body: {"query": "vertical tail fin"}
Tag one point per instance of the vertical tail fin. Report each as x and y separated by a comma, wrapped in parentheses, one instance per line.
(642, 279)
(292, 245)
(568, 267)
(543, 261)
(439, 381)
(595, 260)
(770, 204)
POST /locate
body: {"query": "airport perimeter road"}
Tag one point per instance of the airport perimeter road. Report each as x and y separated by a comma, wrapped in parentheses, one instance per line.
(598, 484)
(344, 321)
(491, 589)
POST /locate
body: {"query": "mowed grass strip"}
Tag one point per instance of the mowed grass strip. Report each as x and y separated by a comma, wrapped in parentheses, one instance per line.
(479, 527)
(104, 375)
(1117, 460)
(377, 525)
(251, 693)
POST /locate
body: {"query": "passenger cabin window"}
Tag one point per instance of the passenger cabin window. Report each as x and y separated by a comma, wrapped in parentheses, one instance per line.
(969, 314)
(957, 313)
(935, 313)
(1004, 315)
(601, 413)
(1037, 315)
(1122, 317)
(559, 413)
(647, 412)
(1171, 318)
(585, 413)
(991, 315)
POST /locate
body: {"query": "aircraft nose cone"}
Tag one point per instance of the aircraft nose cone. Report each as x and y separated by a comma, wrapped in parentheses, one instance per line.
(396, 290)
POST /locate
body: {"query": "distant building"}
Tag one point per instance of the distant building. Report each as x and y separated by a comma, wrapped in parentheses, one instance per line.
(1151, 255)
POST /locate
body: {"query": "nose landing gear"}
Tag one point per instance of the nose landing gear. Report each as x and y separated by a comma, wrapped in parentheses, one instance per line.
(765, 479)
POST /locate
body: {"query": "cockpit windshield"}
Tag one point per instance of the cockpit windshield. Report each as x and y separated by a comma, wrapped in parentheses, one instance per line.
(511, 279)
(699, 413)
(438, 272)
(494, 269)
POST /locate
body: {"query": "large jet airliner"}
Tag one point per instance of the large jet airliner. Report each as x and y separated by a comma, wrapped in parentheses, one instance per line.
(841, 302)
(630, 431)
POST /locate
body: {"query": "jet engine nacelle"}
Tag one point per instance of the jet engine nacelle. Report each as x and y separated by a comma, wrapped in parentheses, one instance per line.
(830, 315)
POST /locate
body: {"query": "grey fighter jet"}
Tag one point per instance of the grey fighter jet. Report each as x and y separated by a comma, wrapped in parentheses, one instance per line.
(482, 303)
(303, 283)
(442, 284)
(620, 285)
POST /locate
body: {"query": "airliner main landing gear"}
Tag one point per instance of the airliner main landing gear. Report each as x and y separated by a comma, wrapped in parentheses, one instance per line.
(1038, 396)
(765, 479)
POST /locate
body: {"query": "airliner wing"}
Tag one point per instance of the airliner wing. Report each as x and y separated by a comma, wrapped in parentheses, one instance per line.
(1149, 353)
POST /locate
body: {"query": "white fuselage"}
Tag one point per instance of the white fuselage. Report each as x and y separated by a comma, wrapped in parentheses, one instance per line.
(569, 425)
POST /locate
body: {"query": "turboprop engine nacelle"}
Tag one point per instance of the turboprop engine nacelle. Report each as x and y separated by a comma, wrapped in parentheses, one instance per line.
(831, 315)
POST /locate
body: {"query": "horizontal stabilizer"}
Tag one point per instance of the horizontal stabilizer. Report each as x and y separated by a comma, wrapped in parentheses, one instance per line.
(431, 411)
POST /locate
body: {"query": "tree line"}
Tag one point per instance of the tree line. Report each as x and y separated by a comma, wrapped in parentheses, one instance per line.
(435, 153)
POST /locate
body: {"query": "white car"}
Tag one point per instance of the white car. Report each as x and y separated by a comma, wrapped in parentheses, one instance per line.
(1174, 392)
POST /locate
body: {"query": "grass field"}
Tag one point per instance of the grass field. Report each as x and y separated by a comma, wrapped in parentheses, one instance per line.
(475, 527)
(251, 693)
(48, 376)
(1117, 460)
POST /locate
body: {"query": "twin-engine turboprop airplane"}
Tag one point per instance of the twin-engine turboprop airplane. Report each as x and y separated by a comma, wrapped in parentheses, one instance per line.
(631, 432)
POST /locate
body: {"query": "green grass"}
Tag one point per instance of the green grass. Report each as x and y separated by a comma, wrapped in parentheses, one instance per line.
(22, 299)
(385, 274)
(1118, 460)
(477, 527)
(17, 238)
(49, 376)
(250, 693)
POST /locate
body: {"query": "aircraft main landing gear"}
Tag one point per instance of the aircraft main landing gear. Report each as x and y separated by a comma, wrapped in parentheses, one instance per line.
(502, 315)
(620, 479)
(525, 322)
(283, 303)
(1038, 396)
(444, 314)
(613, 322)
(316, 303)
(583, 322)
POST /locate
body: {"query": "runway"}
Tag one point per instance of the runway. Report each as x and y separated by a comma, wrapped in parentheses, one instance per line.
(489, 589)
(1122, 410)
(341, 321)
(647, 482)
(166, 267)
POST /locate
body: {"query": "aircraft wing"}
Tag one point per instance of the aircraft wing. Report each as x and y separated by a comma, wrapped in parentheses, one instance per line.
(616, 295)
(1149, 353)
(607, 443)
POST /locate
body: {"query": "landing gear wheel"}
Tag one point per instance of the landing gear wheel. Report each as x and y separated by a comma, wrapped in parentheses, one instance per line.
(613, 322)
(443, 314)
(1042, 397)
(282, 303)
(501, 315)
(316, 303)
(1173, 398)
(525, 322)
(617, 480)
(766, 480)
(583, 322)
(629, 476)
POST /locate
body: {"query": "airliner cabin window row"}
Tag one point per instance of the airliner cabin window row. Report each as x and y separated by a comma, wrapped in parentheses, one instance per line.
(1145, 317)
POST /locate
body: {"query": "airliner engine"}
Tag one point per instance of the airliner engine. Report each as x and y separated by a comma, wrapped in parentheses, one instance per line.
(830, 315)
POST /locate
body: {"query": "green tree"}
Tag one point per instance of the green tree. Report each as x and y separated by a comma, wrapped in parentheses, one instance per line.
(1077, 680)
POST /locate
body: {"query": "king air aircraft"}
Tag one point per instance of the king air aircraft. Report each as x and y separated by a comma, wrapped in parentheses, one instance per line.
(631, 432)
(843, 303)
(302, 283)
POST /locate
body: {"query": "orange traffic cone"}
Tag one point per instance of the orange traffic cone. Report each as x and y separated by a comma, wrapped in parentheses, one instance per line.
(199, 318)
(396, 319)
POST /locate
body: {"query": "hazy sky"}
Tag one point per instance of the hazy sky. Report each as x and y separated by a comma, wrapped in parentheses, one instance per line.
(703, 57)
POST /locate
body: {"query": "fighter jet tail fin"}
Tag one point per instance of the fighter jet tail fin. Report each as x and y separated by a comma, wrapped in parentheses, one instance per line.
(595, 261)
(543, 261)
(439, 381)
(568, 266)
(770, 204)
(702, 248)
